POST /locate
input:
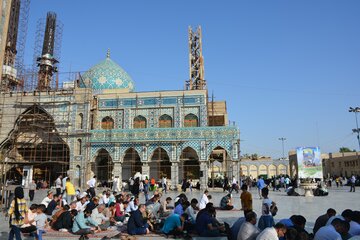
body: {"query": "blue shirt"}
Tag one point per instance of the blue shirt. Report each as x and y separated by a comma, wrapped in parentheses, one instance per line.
(179, 210)
(261, 183)
(81, 222)
(202, 223)
(171, 223)
(236, 227)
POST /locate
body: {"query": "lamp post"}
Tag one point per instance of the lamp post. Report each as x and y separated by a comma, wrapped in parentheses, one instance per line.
(282, 139)
(356, 110)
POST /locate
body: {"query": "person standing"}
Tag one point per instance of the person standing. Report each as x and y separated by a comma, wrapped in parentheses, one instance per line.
(92, 184)
(70, 191)
(17, 212)
(204, 200)
(352, 183)
(260, 185)
(58, 185)
(246, 200)
(163, 184)
(32, 188)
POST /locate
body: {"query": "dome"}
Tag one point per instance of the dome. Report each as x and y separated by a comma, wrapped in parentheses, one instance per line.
(108, 75)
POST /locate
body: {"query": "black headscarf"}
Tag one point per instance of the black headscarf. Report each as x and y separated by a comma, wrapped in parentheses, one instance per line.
(19, 194)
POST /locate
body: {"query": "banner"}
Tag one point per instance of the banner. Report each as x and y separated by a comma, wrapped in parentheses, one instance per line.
(309, 162)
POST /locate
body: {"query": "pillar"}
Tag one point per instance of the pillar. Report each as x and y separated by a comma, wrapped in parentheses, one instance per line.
(174, 175)
(205, 174)
(117, 170)
(145, 169)
(236, 170)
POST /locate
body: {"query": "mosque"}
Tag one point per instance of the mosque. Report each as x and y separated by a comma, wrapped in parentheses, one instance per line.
(100, 125)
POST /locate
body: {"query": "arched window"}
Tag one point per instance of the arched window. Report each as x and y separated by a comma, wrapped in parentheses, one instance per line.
(191, 120)
(165, 121)
(107, 123)
(80, 121)
(78, 147)
(139, 122)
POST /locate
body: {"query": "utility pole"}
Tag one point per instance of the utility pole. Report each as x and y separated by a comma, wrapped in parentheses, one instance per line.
(282, 139)
(356, 130)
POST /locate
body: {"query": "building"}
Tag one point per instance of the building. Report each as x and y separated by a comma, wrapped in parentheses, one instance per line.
(264, 166)
(4, 22)
(333, 164)
(99, 125)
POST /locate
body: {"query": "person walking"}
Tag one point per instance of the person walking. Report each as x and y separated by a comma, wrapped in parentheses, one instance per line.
(58, 185)
(352, 183)
(92, 184)
(260, 185)
(18, 213)
(163, 184)
(32, 188)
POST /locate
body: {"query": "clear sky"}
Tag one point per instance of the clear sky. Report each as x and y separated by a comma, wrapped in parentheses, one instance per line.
(286, 68)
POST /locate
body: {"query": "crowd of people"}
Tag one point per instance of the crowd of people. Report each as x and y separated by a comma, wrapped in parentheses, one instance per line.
(86, 213)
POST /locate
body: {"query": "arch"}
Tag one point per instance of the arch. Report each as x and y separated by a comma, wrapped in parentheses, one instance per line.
(35, 141)
(103, 166)
(191, 120)
(244, 170)
(189, 166)
(107, 123)
(253, 172)
(131, 163)
(220, 163)
(139, 122)
(165, 121)
(79, 121)
(272, 170)
(282, 169)
(78, 147)
(263, 170)
(160, 164)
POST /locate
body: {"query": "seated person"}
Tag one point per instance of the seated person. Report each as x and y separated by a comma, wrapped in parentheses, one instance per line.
(58, 213)
(137, 224)
(82, 224)
(65, 220)
(181, 207)
(93, 203)
(291, 191)
(207, 225)
(248, 230)
(53, 204)
(98, 216)
(226, 202)
(191, 210)
(29, 228)
(174, 224)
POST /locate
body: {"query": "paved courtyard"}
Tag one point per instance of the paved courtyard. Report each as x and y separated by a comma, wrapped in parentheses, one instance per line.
(310, 207)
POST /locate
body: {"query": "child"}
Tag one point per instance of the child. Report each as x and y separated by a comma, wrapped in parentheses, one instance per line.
(268, 206)
(41, 221)
(29, 228)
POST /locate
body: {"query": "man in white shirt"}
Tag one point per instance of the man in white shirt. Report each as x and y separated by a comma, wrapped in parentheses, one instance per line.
(81, 205)
(47, 199)
(204, 200)
(191, 212)
(272, 233)
(133, 205)
(58, 185)
(92, 184)
(98, 216)
(248, 230)
(332, 231)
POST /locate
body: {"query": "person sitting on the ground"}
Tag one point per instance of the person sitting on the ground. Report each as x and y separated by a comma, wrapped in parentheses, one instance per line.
(288, 222)
(27, 227)
(204, 200)
(320, 190)
(82, 224)
(226, 202)
(65, 220)
(322, 220)
(152, 200)
(137, 224)
(235, 228)
(174, 224)
(98, 216)
(248, 230)
(48, 198)
(81, 205)
(53, 204)
(207, 225)
(299, 222)
(93, 203)
(56, 215)
(133, 205)
(181, 208)
(355, 223)
(290, 191)
(272, 233)
(191, 210)
(332, 231)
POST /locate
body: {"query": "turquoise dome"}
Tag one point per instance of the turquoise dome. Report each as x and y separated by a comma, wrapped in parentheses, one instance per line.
(108, 75)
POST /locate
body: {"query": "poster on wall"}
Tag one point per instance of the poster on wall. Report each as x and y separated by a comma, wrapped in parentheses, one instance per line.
(309, 162)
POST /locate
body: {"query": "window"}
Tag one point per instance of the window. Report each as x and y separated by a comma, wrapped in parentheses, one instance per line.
(139, 122)
(107, 123)
(191, 120)
(165, 121)
(80, 121)
(92, 121)
(79, 146)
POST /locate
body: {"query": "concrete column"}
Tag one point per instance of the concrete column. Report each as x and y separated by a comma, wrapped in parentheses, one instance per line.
(174, 175)
(145, 169)
(117, 170)
(205, 174)
(236, 170)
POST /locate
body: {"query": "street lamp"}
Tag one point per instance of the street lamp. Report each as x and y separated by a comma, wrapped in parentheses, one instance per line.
(282, 139)
(356, 110)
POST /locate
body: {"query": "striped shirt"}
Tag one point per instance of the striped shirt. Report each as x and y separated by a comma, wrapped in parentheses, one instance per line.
(22, 209)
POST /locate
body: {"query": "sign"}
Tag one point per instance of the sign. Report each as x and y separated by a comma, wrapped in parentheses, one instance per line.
(309, 162)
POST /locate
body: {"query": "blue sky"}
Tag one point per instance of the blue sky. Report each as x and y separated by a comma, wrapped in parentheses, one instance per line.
(286, 68)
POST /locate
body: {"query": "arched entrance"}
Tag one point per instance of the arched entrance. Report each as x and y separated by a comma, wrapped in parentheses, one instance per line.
(103, 167)
(35, 142)
(220, 164)
(263, 170)
(272, 170)
(253, 172)
(160, 164)
(131, 164)
(189, 164)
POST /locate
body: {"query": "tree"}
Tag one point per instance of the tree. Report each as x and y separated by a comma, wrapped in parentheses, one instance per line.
(345, 149)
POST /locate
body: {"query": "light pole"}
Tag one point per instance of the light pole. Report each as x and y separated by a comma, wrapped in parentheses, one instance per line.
(357, 129)
(282, 139)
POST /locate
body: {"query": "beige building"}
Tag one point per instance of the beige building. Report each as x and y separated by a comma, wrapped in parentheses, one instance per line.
(263, 166)
(334, 164)
(4, 21)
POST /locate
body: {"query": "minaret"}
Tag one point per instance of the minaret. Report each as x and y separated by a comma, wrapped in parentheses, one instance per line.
(46, 62)
(196, 61)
